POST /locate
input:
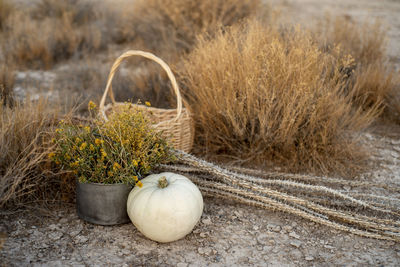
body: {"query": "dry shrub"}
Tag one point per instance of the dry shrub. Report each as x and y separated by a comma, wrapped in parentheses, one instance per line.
(259, 95)
(80, 12)
(375, 82)
(173, 25)
(46, 37)
(6, 83)
(366, 41)
(23, 136)
(6, 8)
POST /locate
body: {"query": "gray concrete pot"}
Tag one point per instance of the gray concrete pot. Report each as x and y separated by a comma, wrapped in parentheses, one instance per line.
(103, 204)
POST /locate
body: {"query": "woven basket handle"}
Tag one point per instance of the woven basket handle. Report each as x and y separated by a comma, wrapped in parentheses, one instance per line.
(148, 55)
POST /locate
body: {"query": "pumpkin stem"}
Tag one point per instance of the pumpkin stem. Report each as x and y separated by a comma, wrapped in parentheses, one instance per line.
(162, 182)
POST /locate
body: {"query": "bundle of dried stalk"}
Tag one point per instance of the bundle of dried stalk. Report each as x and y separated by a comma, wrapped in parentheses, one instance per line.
(373, 217)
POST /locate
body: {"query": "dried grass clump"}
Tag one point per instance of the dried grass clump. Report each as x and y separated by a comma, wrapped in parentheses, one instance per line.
(259, 96)
(377, 85)
(6, 8)
(173, 25)
(53, 31)
(366, 42)
(7, 80)
(80, 12)
(375, 82)
(33, 43)
(23, 137)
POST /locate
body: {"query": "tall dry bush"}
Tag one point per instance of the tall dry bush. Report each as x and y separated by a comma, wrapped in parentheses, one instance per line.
(7, 80)
(374, 80)
(376, 84)
(365, 41)
(80, 12)
(51, 32)
(24, 144)
(173, 25)
(6, 8)
(33, 43)
(259, 95)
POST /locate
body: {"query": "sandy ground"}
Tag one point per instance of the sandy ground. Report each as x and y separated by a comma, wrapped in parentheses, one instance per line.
(228, 234)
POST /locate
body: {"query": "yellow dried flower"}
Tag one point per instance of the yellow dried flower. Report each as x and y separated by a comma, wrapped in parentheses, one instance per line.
(135, 163)
(98, 141)
(87, 129)
(139, 183)
(135, 178)
(51, 155)
(103, 154)
(74, 164)
(91, 105)
(78, 140)
(83, 146)
(147, 103)
(91, 147)
(116, 166)
(59, 130)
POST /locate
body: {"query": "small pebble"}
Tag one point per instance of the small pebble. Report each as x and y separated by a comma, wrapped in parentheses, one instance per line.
(262, 238)
(55, 235)
(206, 221)
(294, 235)
(295, 243)
(287, 228)
(81, 239)
(309, 258)
(296, 254)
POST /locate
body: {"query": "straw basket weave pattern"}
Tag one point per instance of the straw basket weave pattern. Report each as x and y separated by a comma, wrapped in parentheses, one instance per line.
(175, 124)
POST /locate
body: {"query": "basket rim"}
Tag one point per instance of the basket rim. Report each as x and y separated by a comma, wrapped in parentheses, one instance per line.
(111, 105)
(117, 63)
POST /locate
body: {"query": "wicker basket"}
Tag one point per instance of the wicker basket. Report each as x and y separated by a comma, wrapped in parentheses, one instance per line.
(175, 124)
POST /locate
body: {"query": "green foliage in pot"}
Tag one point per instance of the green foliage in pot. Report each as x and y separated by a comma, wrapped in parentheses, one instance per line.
(120, 150)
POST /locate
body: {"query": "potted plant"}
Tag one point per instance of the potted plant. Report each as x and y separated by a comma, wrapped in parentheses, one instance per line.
(108, 158)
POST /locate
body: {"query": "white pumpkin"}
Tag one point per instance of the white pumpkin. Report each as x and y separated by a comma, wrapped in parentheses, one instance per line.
(166, 208)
